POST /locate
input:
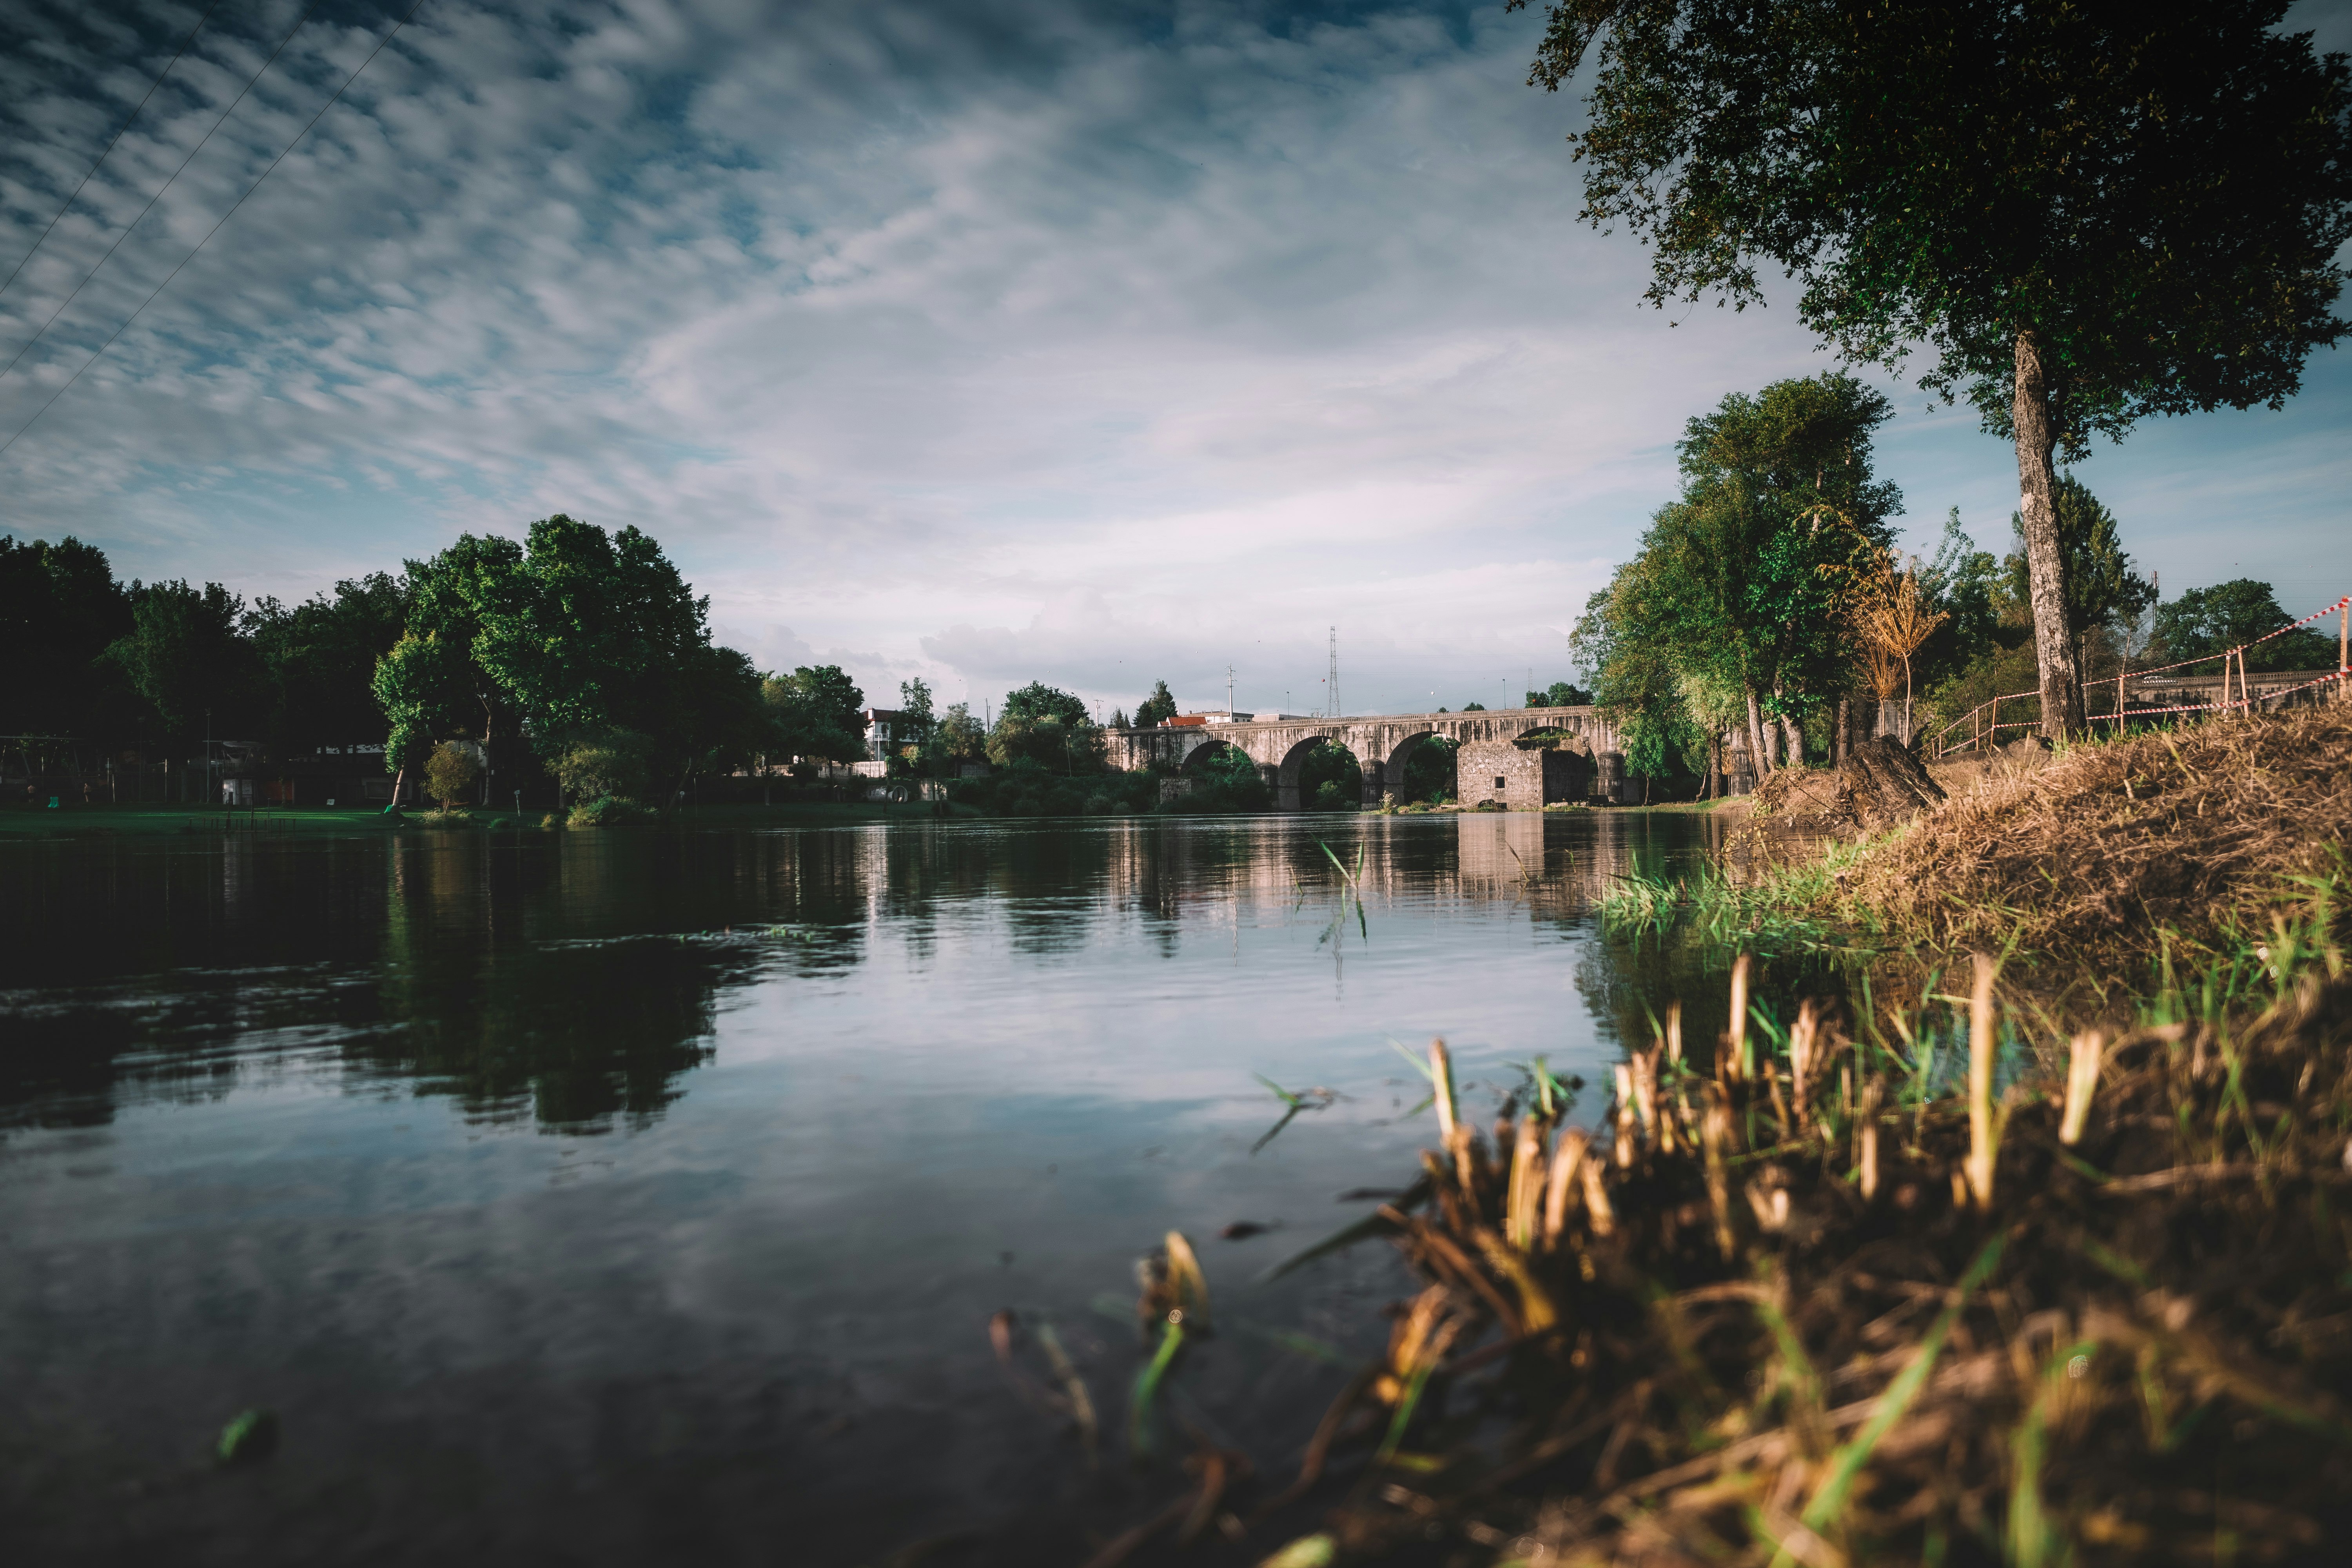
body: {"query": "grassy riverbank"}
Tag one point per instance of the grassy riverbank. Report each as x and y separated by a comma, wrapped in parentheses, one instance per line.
(2034, 1246)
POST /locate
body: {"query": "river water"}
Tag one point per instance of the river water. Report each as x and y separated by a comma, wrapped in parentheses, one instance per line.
(645, 1196)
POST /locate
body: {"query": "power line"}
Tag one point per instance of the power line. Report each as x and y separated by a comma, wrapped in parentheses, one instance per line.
(215, 228)
(157, 198)
(109, 146)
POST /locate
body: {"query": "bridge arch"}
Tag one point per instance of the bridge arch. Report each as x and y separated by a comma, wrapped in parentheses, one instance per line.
(1213, 751)
(1304, 769)
(1401, 752)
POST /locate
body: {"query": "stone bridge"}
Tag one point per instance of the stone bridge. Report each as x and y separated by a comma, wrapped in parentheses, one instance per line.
(1382, 744)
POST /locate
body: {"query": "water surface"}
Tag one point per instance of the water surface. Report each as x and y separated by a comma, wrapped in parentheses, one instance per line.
(632, 1196)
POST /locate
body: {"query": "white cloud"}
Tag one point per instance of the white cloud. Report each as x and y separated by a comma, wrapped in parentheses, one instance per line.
(981, 344)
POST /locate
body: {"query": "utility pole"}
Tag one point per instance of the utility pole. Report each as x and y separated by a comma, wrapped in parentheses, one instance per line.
(1333, 679)
(1229, 691)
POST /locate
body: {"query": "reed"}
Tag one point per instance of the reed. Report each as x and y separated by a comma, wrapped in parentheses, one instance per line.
(1887, 1321)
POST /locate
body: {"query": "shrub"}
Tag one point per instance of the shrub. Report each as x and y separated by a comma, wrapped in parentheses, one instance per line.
(449, 773)
(609, 811)
(615, 764)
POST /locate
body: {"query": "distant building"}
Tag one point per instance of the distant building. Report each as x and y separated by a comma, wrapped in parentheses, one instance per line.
(887, 729)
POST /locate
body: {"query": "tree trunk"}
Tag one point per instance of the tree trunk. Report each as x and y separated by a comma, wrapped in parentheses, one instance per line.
(1796, 733)
(1845, 740)
(2037, 483)
(1906, 699)
(1759, 763)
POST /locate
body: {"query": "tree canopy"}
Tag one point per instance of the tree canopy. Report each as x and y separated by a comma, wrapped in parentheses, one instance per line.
(2203, 621)
(1738, 582)
(1160, 705)
(2087, 213)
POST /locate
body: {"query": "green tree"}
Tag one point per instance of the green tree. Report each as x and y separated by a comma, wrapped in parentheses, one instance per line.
(1160, 705)
(449, 773)
(1331, 778)
(1738, 580)
(1039, 701)
(961, 735)
(2101, 589)
(440, 677)
(1430, 771)
(1560, 694)
(187, 657)
(2205, 622)
(915, 704)
(1963, 584)
(2090, 214)
(592, 630)
(816, 711)
(419, 682)
(61, 609)
(615, 765)
(319, 659)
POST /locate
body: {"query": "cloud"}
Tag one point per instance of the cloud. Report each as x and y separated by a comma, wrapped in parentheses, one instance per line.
(993, 343)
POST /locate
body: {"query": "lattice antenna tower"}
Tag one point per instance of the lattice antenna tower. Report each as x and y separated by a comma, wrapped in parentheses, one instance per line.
(1332, 678)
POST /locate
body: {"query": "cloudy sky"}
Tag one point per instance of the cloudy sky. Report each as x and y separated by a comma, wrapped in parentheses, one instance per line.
(985, 342)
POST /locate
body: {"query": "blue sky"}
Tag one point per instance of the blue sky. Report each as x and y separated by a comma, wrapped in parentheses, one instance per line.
(984, 343)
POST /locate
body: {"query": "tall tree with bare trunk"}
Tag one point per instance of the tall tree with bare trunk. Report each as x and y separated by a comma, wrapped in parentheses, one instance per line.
(2088, 211)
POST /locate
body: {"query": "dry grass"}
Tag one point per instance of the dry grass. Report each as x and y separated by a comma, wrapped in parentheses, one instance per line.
(1778, 1316)
(2203, 832)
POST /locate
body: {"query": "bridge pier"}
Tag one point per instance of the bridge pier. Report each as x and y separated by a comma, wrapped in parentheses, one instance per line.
(1382, 744)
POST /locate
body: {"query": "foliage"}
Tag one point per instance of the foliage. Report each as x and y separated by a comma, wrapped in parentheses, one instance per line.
(814, 711)
(609, 811)
(1787, 133)
(185, 657)
(1891, 621)
(2101, 589)
(915, 707)
(961, 735)
(318, 658)
(60, 608)
(1039, 701)
(2205, 621)
(449, 773)
(1965, 585)
(1159, 705)
(1560, 694)
(1429, 772)
(2088, 214)
(1737, 580)
(617, 763)
(1329, 778)
(1226, 779)
(1048, 727)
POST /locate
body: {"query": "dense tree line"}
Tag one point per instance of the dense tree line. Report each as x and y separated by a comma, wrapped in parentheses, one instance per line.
(573, 653)
(1768, 595)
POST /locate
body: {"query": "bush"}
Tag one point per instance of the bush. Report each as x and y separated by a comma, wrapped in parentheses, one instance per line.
(609, 811)
(615, 764)
(449, 773)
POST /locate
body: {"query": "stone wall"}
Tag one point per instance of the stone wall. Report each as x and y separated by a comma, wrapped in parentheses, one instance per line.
(1522, 780)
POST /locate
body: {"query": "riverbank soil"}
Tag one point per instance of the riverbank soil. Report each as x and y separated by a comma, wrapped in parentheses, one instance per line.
(2186, 836)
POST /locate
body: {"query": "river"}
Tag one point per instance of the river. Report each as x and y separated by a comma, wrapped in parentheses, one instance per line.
(645, 1196)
